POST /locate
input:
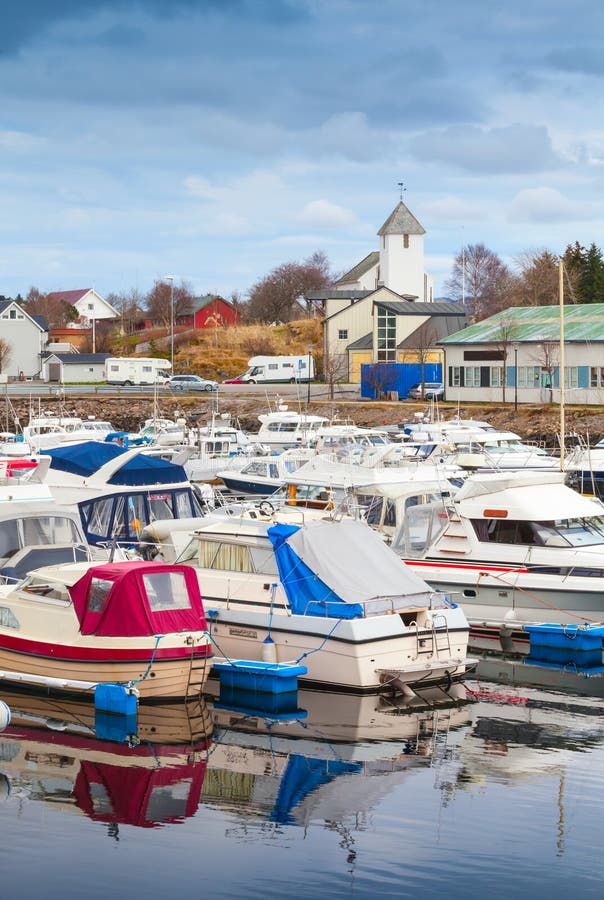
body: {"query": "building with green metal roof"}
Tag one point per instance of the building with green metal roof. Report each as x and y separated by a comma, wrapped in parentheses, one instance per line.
(515, 356)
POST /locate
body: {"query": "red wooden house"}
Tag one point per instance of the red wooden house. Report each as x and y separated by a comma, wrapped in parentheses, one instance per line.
(209, 311)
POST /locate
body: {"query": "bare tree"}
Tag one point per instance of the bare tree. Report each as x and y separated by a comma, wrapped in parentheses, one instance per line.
(281, 294)
(130, 305)
(5, 353)
(56, 312)
(547, 354)
(535, 282)
(504, 338)
(480, 279)
(420, 345)
(335, 370)
(159, 301)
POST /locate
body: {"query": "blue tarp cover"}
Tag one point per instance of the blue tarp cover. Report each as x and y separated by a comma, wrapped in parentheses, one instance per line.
(83, 459)
(86, 458)
(148, 470)
(306, 592)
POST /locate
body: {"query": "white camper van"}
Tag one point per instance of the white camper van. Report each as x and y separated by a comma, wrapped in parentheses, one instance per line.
(266, 369)
(136, 370)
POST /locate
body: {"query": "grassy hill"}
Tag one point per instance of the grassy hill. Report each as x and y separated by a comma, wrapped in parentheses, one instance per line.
(220, 353)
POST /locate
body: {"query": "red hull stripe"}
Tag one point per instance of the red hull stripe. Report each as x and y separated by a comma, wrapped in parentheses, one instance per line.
(100, 654)
(475, 567)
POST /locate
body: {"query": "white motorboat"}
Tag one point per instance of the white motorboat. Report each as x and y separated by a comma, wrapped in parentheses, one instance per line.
(34, 529)
(283, 428)
(119, 491)
(326, 593)
(584, 467)
(263, 475)
(48, 431)
(495, 450)
(513, 549)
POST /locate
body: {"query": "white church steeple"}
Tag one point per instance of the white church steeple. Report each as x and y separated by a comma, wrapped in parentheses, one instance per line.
(402, 255)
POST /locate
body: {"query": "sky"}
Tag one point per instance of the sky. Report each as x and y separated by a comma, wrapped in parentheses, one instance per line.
(215, 139)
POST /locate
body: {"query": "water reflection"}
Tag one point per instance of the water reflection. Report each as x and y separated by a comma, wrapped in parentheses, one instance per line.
(293, 766)
(324, 758)
(147, 772)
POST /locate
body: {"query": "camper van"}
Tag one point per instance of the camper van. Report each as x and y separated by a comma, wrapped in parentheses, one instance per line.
(136, 370)
(266, 369)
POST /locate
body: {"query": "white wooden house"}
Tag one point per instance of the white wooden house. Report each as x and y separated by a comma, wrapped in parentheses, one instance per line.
(26, 337)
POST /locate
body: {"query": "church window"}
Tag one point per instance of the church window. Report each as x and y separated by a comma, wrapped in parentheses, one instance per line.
(406, 241)
(343, 334)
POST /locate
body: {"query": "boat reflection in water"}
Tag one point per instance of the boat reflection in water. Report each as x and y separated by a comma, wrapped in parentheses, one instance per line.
(293, 766)
(58, 753)
(317, 757)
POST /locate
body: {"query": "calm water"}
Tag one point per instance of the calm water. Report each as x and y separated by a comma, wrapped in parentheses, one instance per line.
(495, 796)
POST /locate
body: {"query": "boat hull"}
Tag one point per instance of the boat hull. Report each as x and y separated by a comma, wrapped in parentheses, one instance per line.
(359, 655)
(163, 679)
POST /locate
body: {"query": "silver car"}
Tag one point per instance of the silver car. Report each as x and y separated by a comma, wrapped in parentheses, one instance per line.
(191, 383)
(433, 390)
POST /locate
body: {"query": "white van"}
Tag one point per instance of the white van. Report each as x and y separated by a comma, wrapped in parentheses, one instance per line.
(267, 369)
(136, 370)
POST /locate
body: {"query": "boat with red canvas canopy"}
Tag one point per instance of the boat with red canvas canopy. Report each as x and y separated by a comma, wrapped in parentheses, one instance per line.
(76, 625)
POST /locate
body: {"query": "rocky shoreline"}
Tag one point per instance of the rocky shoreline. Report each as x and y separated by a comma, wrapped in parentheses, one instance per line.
(531, 422)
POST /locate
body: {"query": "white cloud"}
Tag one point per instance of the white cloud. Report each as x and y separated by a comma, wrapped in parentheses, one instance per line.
(546, 205)
(323, 214)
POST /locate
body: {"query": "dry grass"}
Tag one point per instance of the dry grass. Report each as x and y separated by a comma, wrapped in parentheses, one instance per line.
(224, 352)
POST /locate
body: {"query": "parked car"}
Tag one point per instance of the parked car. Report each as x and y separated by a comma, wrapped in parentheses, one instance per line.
(238, 380)
(191, 383)
(433, 390)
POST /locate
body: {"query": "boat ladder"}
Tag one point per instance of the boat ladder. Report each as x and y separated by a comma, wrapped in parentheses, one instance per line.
(437, 640)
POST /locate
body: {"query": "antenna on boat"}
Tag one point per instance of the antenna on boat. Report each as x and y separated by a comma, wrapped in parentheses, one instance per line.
(562, 361)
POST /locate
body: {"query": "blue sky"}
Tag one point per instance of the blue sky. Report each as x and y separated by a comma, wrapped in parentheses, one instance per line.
(214, 140)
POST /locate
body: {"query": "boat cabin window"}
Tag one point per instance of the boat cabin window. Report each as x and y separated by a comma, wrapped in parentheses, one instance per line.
(97, 594)
(558, 533)
(49, 530)
(255, 468)
(123, 516)
(225, 557)
(166, 590)
(34, 531)
(9, 539)
(379, 510)
(8, 618)
(230, 557)
(264, 561)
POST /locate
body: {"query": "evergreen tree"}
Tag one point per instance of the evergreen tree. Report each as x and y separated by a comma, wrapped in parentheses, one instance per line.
(591, 284)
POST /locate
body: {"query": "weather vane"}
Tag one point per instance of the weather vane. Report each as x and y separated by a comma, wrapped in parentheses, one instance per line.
(402, 187)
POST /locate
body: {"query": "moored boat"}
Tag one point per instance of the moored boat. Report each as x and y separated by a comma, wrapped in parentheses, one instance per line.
(327, 594)
(513, 549)
(71, 627)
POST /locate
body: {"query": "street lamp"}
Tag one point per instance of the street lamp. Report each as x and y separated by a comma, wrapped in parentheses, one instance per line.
(308, 375)
(515, 377)
(170, 278)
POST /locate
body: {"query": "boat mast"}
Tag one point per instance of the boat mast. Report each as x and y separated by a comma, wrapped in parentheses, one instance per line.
(561, 297)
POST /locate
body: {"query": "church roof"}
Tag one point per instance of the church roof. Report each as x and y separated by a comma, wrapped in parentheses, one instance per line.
(371, 260)
(401, 221)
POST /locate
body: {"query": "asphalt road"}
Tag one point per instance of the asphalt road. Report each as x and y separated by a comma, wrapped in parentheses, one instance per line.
(316, 391)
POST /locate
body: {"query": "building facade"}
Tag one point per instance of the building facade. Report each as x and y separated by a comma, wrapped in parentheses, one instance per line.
(26, 337)
(515, 356)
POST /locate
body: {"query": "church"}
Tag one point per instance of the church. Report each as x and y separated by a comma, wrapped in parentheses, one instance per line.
(383, 310)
